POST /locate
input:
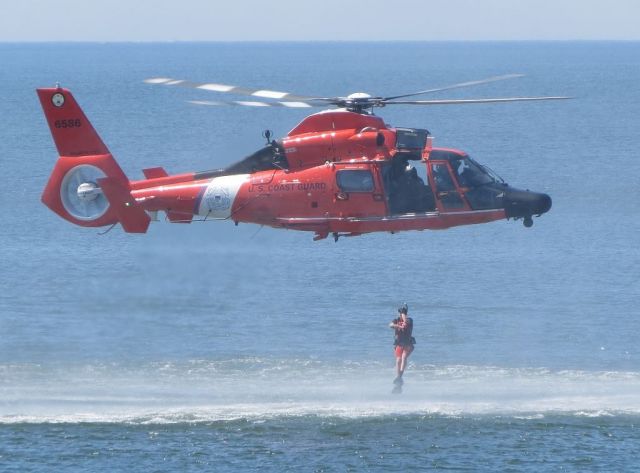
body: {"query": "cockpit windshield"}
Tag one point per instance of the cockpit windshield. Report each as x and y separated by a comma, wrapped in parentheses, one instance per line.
(471, 174)
(492, 173)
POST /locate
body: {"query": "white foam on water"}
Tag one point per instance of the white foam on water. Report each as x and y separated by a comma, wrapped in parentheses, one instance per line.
(206, 391)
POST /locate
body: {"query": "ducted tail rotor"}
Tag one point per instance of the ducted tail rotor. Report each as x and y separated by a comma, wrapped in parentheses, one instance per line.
(81, 195)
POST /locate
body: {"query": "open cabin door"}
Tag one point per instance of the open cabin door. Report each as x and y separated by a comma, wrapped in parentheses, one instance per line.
(407, 186)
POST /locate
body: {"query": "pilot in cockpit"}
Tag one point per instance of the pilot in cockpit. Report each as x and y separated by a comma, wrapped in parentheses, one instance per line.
(463, 172)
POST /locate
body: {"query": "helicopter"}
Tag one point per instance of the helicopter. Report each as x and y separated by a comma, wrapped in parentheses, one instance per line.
(340, 172)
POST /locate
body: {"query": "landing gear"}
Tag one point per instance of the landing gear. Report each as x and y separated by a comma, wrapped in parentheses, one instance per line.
(528, 222)
(320, 236)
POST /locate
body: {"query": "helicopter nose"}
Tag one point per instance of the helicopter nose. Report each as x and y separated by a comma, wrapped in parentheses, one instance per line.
(523, 204)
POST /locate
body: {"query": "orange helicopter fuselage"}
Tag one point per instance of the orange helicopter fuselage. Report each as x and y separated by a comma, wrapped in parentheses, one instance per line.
(338, 172)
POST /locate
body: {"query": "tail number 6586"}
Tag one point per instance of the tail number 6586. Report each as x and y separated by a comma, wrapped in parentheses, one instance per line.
(70, 123)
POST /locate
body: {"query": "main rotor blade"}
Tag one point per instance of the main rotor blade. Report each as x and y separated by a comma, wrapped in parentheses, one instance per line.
(248, 103)
(231, 89)
(466, 101)
(459, 86)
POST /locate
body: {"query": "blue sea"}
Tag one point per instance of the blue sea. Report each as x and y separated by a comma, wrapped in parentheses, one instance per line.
(210, 347)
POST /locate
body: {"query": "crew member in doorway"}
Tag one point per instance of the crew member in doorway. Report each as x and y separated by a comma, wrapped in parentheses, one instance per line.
(403, 340)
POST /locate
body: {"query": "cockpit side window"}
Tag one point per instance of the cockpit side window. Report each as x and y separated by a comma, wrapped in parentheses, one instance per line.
(442, 177)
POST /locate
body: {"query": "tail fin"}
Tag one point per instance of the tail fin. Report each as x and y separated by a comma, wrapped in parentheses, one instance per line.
(72, 132)
(74, 190)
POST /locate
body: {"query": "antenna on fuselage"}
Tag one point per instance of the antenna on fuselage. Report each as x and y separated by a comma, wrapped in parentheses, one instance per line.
(266, 134)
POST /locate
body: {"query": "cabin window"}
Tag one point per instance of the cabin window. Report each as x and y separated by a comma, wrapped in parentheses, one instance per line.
(355, 180)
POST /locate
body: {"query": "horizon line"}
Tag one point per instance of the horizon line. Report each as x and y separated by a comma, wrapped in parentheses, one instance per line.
(169, 41)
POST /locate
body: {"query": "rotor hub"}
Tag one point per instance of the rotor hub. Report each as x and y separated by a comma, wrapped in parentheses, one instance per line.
(359, 95)
(88, 191)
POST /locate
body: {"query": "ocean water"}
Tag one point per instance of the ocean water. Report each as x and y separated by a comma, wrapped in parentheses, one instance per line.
(214, 347)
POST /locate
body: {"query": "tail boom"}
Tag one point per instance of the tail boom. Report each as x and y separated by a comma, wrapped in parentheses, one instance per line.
(88, 188)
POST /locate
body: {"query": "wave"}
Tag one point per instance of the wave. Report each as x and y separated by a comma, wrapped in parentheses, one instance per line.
(253, 388)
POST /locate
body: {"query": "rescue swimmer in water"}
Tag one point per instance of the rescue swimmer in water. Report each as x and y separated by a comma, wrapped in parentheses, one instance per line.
(403, 342)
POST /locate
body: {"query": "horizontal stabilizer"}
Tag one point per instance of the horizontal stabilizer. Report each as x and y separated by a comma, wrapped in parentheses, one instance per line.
(154, 173)
(129, 213)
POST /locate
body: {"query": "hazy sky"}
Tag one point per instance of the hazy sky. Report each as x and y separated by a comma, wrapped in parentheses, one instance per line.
(269, 20)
